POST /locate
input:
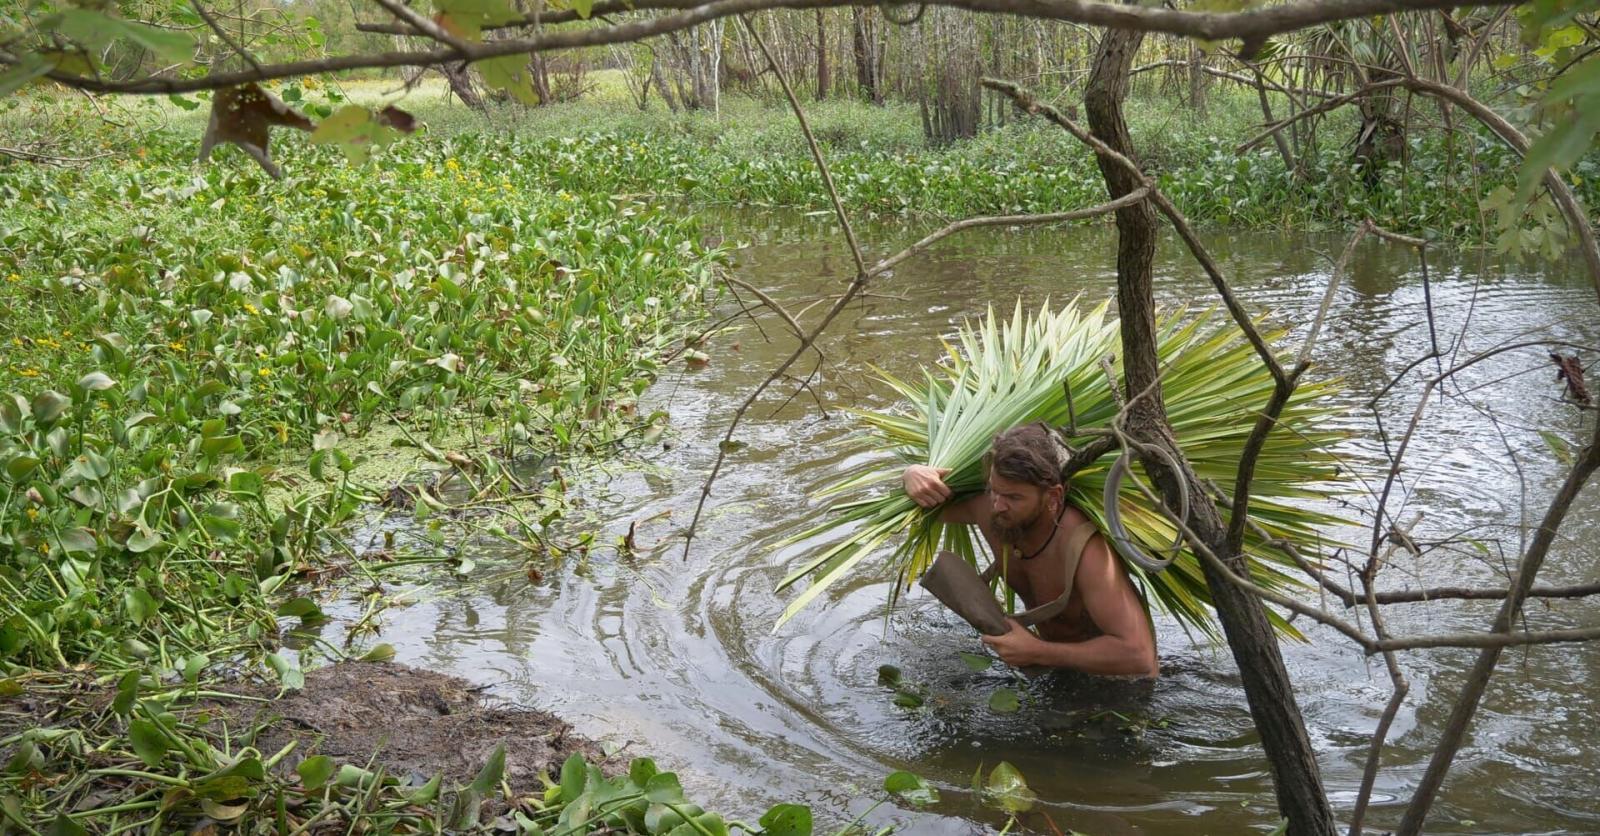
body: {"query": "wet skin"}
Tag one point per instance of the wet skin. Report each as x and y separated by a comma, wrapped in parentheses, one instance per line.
(1103, 630)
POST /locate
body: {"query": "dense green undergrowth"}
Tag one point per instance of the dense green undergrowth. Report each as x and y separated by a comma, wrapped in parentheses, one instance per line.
(754, 153)
(187, 353)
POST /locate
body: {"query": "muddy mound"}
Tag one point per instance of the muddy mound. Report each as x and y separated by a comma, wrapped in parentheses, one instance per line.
(408, 720)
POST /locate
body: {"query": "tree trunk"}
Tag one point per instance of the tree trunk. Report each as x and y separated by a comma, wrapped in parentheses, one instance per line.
(823, 79)
(461, 85)
(660, 82)
(864, 45)
(1244, 621)
(1197, 79)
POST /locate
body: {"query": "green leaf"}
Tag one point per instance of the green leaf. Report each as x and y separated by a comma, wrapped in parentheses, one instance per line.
(1583, 79)
(466, 18)
(64, 825)
(786, 820)
(12, 408)
(662, 788)
(140, 419)
(141, 606)
(1004, 701)
(301, 607)
(222, 445)
(425, 794)
(96, 382)
(222, 813)
(148, 742)
(1559, 147)
(291, 677)
(29, 68)
(1558, 446)
(193, 666)
(49, 406)
(908, 699)
(912, 787)
(379, 653)
(97, 30)
(143, 540)
(20, 466)
(356, 131)
(1007, 790)
(493, 770)
(225, 529)
(512, 74)
(127, 691)
(976, 662)
(701, 824)
(582, 7)
(78, 541)
(315, 771)
(889, 675)
(574, 773)
(641, 770)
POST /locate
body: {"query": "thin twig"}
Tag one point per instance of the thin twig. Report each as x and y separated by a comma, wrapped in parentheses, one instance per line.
(226, 38)
(807, 341)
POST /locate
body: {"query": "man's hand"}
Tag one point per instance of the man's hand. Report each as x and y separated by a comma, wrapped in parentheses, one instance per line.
(1017, 648)
(925, 485)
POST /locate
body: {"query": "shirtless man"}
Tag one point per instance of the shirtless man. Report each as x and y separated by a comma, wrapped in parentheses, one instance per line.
(1023, 515)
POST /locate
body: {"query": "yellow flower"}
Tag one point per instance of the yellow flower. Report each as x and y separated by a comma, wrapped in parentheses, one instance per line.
(250, 309)
(452, 164)
(33, 514)
(13, 278)
(265, 372)
(176, 345)
(29, 372)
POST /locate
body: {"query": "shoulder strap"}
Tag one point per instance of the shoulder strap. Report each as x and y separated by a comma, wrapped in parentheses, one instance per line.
(1075, 545)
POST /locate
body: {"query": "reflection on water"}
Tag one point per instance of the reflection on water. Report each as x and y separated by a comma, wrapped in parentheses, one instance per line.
(678, 657)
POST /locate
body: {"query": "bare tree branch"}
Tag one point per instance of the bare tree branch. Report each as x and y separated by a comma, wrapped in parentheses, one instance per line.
(807, 341)
(226, 38)
(423, 25)
(1252, 27)
(1005, 220)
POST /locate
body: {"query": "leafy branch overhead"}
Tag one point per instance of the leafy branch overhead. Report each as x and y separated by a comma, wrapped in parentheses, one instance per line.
(69, 44)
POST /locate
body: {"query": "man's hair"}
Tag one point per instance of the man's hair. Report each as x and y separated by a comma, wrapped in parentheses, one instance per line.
(1029, 453)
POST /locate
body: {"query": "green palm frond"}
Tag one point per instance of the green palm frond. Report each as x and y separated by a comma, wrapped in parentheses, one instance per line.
(1001, 373)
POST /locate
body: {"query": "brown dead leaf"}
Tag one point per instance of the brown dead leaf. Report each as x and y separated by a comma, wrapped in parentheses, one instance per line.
(244, 116)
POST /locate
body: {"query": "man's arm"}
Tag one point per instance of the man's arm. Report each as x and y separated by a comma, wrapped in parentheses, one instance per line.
(925, 485)
(1127, 647)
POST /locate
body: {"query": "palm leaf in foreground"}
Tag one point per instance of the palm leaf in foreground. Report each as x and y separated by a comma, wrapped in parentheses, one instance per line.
(1004, 373)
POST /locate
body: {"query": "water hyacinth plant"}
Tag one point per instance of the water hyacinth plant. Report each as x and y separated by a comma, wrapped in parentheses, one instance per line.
(1000, 374)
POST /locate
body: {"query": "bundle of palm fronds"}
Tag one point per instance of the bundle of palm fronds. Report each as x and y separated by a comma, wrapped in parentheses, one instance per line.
(1001, 374)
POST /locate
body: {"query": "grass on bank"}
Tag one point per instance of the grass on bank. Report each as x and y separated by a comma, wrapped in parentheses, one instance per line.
(751, 152)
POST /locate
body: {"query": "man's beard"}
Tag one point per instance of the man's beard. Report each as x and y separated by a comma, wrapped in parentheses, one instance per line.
(1012, 534)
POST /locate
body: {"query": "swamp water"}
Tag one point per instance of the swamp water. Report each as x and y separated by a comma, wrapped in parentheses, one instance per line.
(677, 658)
